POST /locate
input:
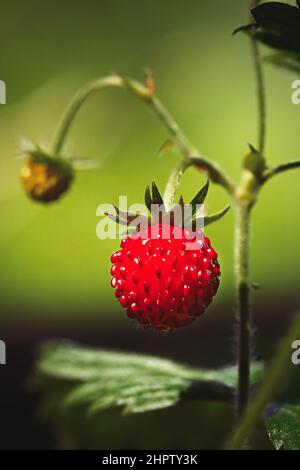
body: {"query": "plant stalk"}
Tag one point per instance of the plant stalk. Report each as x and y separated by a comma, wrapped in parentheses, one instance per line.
(243, 211)
(174, 181)
(190, 154)
(71, 111)
(243, 300)
(260, 84)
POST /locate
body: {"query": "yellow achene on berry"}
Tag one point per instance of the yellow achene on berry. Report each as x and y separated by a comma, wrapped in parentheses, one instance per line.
(46, 179)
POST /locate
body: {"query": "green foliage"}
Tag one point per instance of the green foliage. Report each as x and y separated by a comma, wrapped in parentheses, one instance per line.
(278, 26)
(284, 428)
(73, 376)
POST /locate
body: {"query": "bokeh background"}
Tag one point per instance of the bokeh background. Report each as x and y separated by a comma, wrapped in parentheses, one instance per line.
(54, 272)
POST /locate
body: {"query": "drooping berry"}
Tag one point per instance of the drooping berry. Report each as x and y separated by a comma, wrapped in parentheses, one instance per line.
(45, 179)
(165, 282)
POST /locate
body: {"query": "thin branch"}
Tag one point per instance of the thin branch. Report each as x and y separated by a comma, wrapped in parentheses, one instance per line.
(190, 154)
(244, 309)
(280, 169)
(80, 97)
(214, 172)
(260, 83)
(174, 181)
(242, 250)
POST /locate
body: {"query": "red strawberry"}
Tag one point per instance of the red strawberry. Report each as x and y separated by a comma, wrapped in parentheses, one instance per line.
(165, 283)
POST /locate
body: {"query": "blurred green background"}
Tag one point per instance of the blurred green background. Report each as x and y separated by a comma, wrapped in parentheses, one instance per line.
(51, 261)
(54, 271)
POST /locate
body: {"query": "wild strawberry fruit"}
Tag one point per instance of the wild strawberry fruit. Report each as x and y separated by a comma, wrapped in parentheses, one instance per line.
(45, 179)
(166, 275)
(160, 282)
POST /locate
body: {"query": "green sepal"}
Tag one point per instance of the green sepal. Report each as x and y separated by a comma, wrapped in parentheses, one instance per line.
(40, 155)
(156, 196)
(167, 145)
(83, 163)
(210, 219)
(148, 198)
(153, 196)
(124, 218)
(199, 198)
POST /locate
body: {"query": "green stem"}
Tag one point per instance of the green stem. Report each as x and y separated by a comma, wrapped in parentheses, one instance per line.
(244, 311)
(270, 172)
(189, 152)
(242, 248)
(260, 83)
(76, 103)
(270, 385)
(174, 181)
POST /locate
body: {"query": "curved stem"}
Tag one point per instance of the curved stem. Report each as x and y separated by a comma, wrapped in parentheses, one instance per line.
(280, 169)
(163, 114)
(244, 312)
(214, 172)
(190, 153)
(269, 387)
(174, 181)
(76, 103)
(140, 91)
(242, 251)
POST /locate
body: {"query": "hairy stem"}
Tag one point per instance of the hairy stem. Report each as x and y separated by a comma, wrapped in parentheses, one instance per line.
(243, 299)
(242, 249)
(270, 172)
(260, 84)
(174, 181)
(190, 154)
(76, 103)
(270, 385)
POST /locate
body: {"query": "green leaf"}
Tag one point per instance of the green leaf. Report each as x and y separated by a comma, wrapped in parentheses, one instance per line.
(285, 60)
(277, 41)
(283, 426)
(98, 380)
(279, 17)
(277, 25)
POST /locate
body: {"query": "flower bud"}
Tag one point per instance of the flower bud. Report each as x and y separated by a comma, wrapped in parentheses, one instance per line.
(45, 179)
